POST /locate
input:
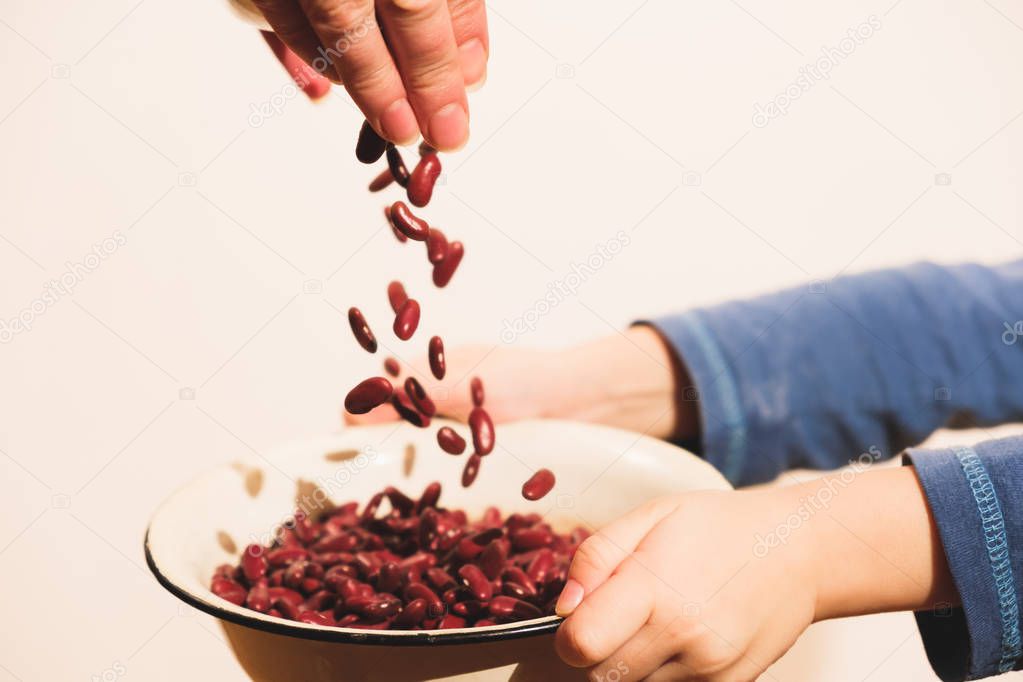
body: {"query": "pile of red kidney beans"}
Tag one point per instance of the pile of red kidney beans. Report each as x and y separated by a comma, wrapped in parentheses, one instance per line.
(419, 565)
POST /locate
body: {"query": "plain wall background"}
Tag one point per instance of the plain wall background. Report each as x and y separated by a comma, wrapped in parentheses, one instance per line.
(214, 330)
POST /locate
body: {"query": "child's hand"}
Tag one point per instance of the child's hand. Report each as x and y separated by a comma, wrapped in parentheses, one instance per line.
(718, 585)
(673, 591)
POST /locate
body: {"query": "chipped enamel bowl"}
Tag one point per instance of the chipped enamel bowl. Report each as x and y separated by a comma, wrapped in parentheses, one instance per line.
(602, 473)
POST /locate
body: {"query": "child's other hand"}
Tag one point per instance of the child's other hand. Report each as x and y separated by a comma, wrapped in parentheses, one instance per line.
(677, 590)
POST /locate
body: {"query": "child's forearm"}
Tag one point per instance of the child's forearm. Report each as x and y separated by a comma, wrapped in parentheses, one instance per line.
(875, 545)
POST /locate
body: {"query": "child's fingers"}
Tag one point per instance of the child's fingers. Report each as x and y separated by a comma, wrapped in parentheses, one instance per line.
(607, 618)
(601, 553)
(306, 77)
(643, 654)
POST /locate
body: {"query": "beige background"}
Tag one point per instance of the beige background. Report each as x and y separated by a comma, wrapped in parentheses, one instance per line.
(213, 331)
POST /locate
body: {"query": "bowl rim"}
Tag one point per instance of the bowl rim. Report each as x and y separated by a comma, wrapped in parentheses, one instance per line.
(327, 633)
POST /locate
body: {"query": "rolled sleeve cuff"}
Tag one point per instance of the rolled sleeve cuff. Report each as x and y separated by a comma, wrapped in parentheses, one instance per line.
(982, 637)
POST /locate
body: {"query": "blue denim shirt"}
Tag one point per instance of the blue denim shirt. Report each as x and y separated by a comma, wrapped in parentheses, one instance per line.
(815, 376)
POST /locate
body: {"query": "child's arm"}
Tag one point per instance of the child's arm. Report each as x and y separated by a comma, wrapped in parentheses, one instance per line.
(814, 376)
(717, 586)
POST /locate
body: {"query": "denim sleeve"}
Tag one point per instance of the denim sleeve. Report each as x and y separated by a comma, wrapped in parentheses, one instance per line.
(818, 375)
(976, 497)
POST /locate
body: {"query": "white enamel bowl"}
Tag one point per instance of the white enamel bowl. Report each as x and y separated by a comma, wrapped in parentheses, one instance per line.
(602, 473)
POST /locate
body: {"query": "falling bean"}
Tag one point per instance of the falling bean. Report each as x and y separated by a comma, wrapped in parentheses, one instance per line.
(392, 367)
(407, 320)
(438, 364)
(417, 394)
(408, 412)
(394, 228)
(424, 177)
(363, 334)
(407, 223)
(396, 295)
(471, 470)
(397, 165)
(381, 181)
(538, 485)
(449, 441)
(370, 146)
(368, 394)
(476, 390)
(436, 246)
(482, 431)
(445, 270)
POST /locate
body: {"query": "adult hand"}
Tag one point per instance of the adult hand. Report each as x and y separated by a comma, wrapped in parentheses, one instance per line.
(408, 73)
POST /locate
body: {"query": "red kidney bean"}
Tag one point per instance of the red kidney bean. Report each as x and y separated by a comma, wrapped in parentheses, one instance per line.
(425, 149)
(229, 590)
(408, 412)
(413, 613)
(348, 620)
(531, 538)
(399, 500)
(471, 470)
(450, 622)
(541, 566)
(397, 165)
(485, 537)
(485, 622)
(368, 394)
(476, 391)
(406, 320)
(449, 441)
(316, 618)
(286, 555)
(342, 542)
(445, 270)
(407, 223)
(440, 579)
(482, 431)
(394, 228)
(468, 609)
(516, 590)
(381, 181)
(509, 607)
(429, 498)
(287, 609)
(258, 598)
(491, 560)
(363, 334)
(434, 605)
(396, 295)
(417, 394)
(292, 597)
(319, 601)
(476, 581)
(424, 177)
(436, 246)
(390, 577)
(438, 364)
(371, 146)
(392, 367)
(538, 485)
(254, 563)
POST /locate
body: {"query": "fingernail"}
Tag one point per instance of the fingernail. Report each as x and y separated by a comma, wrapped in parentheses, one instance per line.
(449, 127)
(398, 123)
(571, 597)
(473, 59)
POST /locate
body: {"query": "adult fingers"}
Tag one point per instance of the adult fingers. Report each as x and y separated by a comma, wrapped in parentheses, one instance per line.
(289, 22)
(469, 21)
(608, 618)
(601, 553)
(351, 39)
(422, 40)
(312, 83)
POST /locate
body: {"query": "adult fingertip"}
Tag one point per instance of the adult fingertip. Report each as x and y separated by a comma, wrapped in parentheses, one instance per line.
(472, 57)
(571, 597)
(449, 127)
(398, 123)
